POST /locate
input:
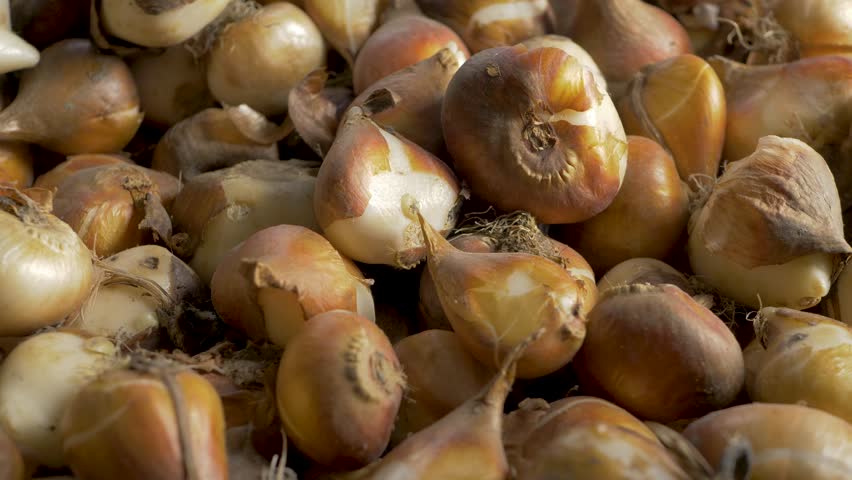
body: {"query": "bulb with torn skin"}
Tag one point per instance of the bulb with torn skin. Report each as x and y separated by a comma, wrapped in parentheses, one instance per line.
(275, 281)
(484, 24)
(529, 129)
(366, 186)
(771, 233)
(495, 301)
(15, 52)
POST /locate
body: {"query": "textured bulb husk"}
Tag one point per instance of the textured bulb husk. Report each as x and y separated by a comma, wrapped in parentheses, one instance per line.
(74, 101)
(486, 24)
(409, 101)
(801, 358)
(806, 99)
(146, 422)
(48, 267)
(257, 60)
(366, 186)
(339, 379)
(583, 437)
(647, 218)
(623, 36)
(219, 209)
(680, 104)
(531, 130)
(316, 110)
(642, 270)
(280, 277)
(659, 354)
(804, 431)
(115, 207)
(16, 164)
(213, 139)
(35, 389)
(440, 374)
(818, 27)
(345, 23)
(399, 43)
(772, 217)
(54, 177)
(495, 301)
(158, 23)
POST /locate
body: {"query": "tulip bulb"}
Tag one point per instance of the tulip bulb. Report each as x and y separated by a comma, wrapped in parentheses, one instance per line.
(642, 270)
(531, 130)
(166, 421)
(345, 23)
(282, 276)
(366, 186)
(494, 302)
(35, 389)
(485, 24)
(75, 100)
(399, 43)
(217, 210)
(11, 463)
(800, 358)
(679, 103)
(16, 164)
(571, 48)
(658, 353)
(158, 23)
(817, 27)
(15, 52)
(338, 390)
(770, 232)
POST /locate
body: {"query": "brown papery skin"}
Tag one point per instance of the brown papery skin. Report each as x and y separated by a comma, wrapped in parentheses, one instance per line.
(819, 27)
(99, 204)
(290, 258)
(805, 99)
(16, 164)
(420, 88)
(537, 19)
(126, 425)
(647, 218)
(11, 462)
(51, 179)
(659, 354)
(441, 375)
(679, 103)
(624, 35)
(316, 110)
(499, 128)
(768, 426)
(75, 100)
(339, 388)
(583, 437)
(400, 43)
(642, 270)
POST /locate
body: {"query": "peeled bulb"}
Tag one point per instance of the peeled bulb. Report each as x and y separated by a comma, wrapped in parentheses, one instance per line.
(16, 164)
(623, 36)
(48, 268)
(770, 232)
(280, 277)
(399, 43)
(216, 138)
(409, 101)
(485, 24)
(800, 358)
(647, 218)
(167, 421)
(75, 100)
(172, 85)
(217, 210)
(583, 437)
(338, 390)
(345, 23)
(494, 302)
(659, 354)
(366, 186)
(35, 389)
(530, 130)
(679, 103)
(803, 99)
(257, 60)
(158, 23)
(15, 52)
